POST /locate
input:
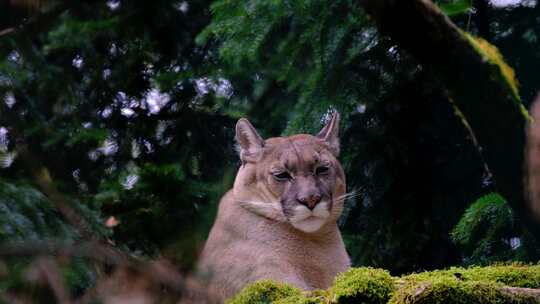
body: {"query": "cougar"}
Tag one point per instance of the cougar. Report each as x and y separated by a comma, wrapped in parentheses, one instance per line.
(279, 220)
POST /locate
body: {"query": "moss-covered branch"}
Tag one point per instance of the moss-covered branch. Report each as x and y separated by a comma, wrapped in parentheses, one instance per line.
(493, 284)
(481, 84)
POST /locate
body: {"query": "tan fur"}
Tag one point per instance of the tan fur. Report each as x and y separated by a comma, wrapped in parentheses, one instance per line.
(532, 156)
(253, 238)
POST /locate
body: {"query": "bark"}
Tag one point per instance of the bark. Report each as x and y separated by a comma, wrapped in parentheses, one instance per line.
(477, 86)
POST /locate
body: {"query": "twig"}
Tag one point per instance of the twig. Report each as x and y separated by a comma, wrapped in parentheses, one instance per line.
(7, 31)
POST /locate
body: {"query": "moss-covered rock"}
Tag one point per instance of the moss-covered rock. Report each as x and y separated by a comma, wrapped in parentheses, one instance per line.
(515, 275)
(363, 285)
(451, 290)
(266, 291)
(491, 285)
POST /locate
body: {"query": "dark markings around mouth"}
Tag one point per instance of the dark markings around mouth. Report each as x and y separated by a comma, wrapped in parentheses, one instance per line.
(285, 208)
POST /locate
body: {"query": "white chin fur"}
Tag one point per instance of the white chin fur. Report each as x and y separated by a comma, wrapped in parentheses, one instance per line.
(310, 221)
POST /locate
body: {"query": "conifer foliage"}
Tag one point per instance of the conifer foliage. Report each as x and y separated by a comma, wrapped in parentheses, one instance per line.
(123, 111)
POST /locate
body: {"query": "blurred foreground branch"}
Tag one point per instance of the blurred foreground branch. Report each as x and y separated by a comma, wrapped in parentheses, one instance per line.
(132, 277)
(46, 269)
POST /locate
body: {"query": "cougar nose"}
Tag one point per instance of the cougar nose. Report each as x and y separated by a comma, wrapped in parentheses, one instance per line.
(310, 201)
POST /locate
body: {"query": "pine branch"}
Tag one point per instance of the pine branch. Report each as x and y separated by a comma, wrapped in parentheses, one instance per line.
(159, 272)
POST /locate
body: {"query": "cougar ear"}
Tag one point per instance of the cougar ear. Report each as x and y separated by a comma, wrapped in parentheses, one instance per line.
(250, 142)
(330, 133)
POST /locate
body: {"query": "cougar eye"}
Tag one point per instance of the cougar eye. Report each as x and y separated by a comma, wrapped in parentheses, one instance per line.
(282, 176)
(321, 170)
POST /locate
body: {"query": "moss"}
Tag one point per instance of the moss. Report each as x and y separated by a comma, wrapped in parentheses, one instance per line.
(266, 291)
(303, 299)
(515, 275)
(452, 290)
(363, 285)
(491, 54)
(468, 285)
(372, 286)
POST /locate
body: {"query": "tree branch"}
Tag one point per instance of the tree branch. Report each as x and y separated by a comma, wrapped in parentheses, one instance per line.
(46, 269)
(6, 31)
(158, 271)
(477, 82)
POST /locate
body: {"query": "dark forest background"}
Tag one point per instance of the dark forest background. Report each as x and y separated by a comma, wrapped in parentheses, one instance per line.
(122, 113)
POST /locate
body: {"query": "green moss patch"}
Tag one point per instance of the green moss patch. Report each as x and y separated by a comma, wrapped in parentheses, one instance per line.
(266, 291)
(363, 285)
(303, 299)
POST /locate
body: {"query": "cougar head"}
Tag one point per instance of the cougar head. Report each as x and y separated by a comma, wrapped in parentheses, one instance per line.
(295, 179)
